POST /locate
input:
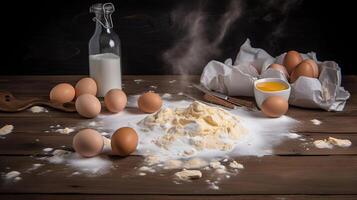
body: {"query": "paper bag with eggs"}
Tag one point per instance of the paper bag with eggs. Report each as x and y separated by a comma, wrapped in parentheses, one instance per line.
(237, 79)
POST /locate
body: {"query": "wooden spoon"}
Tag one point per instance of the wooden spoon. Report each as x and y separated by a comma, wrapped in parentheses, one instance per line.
(8, 103)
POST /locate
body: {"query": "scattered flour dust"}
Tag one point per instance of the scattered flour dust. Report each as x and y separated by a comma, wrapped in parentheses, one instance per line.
(47, 149)
(34, 167)
(65, 130)
(38, 109)
(316, 122)
(323, 144)
(195, 163)
(330, 142)
(173, 164)
(188, 174)
(199, 140)
(12, 176)
(89, 166)
(172, 81)
(138, 81)
(235, 165)
(93, 123)
(6, 130)
(293, 135)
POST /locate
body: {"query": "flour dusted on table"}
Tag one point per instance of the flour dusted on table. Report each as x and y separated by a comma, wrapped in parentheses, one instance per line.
(6, 130)
(13, 176)
(339, 142)
(235, 165)
(65, 130)
(331, 142)
(188, 174)
(187, 136)
(38, 109)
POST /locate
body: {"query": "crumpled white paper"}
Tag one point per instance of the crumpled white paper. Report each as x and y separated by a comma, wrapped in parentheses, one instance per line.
(251, 64)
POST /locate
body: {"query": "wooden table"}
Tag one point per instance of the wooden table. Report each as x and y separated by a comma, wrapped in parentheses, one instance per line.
(293, 172)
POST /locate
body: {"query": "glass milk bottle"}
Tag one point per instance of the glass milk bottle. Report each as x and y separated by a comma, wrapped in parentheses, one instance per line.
(104, 50)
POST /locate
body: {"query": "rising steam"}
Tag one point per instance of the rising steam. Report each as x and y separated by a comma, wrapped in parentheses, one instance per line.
(284, 7)
(194, 49)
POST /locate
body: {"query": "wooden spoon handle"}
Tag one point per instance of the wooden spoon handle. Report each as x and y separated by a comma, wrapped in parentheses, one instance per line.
(8, 103)
(67, 107)
(242, 102)
(219, 101)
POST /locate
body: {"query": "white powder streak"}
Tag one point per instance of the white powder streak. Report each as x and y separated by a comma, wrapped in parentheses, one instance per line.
(6, 130)
(12, 176)
(90, 166)
(38, 109)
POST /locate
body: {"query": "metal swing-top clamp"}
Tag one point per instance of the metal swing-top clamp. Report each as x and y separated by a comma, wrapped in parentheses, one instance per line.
(106, 10)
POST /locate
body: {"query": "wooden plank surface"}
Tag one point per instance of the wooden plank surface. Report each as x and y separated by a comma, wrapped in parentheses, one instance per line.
(265, 175)
(176, 197)
(296, 171)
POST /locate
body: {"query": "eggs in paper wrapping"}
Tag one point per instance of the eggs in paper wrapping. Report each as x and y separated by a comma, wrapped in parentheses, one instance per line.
(115, 100)
(280, 68)
(88, 105)
(291, 60)
(62, 93)
(274, 106)
(88, 143)
(303, 69)
(124, 141)
(149, 102)
(86, 86)
(314, 66)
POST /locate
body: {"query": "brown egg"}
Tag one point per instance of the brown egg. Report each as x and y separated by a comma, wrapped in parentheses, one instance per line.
(303, 69)
(124, 141)
(88, 143)
(149, 102)
(274, 106)
(88, 105)
(62, 93)
(280, 68)
(291, 60)
(115, 100)
(86, 86)
(314, 67)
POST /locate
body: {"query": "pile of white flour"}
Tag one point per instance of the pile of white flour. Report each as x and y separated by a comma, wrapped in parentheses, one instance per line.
(190, 131)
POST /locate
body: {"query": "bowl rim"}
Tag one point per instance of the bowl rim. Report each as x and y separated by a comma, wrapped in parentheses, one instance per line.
(271, 80)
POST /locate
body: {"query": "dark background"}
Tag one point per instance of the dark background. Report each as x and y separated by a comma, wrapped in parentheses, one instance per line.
(51, 37)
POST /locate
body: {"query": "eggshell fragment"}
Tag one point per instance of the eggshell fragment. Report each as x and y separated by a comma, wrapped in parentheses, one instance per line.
(274, 106)
(115, 100)
(88, 143)
(149, 102)
(86, 86)
(88, 105)
(291, 60)
(303, 69)
(280, 68)
(62, 93)
(124, 141)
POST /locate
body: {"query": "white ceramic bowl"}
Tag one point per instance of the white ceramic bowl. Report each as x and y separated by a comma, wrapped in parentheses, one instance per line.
(260, 95)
